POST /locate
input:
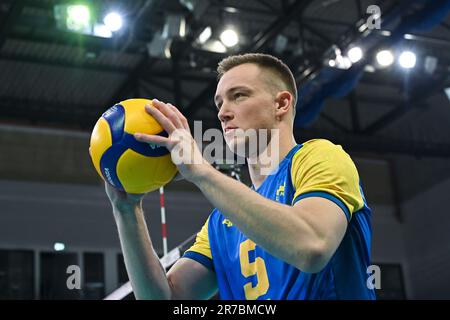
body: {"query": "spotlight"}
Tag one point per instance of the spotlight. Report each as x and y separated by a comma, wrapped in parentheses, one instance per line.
(205, 35)
(231, 9)
(355, 54)
(229, 38)
(385, 58)
(113, 21)
(369, 68)
(407, 59)
(78, 18)
(59, 246)
(343, 62)
(102, 31)
(215, 46)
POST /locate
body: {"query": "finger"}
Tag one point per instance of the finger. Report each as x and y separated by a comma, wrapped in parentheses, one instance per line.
(165, 122)
(150, 138)
(182, 118)
(168, 111)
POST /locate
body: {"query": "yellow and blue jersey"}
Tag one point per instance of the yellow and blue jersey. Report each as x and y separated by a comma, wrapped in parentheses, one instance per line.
(316, 168)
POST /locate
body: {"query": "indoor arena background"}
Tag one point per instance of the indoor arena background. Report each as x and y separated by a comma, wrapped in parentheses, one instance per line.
(393, 120)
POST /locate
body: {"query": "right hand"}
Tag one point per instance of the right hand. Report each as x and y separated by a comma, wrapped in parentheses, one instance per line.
(121, 201)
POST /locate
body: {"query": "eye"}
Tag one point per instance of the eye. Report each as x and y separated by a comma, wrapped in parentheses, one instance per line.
(238, 95)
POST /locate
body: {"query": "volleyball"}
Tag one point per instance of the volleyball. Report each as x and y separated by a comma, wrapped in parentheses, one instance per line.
(127, 164)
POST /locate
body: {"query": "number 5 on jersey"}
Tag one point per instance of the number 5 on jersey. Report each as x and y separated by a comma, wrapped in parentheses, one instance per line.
(249, 269)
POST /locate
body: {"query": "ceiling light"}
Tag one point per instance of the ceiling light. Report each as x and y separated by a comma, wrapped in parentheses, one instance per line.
(215, 46)
(113, 21)
(205, 35)
(78, 18)
(355, 54)
(229, 38)
(384, 58)
(59, 246)
(100, 30)
(407, 59)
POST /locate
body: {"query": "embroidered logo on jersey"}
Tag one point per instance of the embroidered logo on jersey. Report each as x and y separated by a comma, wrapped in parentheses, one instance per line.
(280, 192)
(227, 222)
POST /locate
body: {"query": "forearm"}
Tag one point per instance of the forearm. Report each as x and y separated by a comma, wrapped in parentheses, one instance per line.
(147, 276)
(271, 225)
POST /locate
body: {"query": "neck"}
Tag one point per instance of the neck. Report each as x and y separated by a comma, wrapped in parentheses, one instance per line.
(263, 164)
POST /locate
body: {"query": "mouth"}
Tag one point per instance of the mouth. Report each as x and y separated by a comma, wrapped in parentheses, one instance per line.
(229, 129)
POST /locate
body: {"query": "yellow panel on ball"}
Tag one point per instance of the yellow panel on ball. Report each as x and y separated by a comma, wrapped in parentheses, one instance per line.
(141, 174)
(137, 119)
(100, 141)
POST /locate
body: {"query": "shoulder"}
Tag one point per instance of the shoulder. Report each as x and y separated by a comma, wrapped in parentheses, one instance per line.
(316, 144)
(319, 149)
(323, 158)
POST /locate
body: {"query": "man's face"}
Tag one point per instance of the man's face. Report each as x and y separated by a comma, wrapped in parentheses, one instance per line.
(244, 101)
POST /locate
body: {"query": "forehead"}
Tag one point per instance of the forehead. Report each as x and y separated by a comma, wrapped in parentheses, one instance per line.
(246, 74)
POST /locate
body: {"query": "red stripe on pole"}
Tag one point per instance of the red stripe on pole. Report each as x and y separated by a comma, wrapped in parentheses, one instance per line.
(164, 230)
(161, 199)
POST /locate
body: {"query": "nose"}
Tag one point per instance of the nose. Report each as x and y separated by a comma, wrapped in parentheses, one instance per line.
(224, 114)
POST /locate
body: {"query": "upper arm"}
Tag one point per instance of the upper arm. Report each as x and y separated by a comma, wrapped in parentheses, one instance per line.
(190, 280)
(327, 192)
(329, 224)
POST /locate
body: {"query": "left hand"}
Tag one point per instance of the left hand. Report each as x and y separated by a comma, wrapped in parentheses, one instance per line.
(183, 149)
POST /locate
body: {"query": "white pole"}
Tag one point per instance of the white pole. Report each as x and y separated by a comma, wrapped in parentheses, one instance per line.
(163, 220)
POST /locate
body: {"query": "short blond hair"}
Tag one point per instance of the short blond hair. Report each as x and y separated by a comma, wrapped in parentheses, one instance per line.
(267, 62)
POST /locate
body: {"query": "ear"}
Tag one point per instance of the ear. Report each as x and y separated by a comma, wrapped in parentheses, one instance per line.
(283, 102)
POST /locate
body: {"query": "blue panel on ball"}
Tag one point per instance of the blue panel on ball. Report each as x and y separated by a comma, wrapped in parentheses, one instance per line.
(108, 164)
(115, 116)
(143, 148)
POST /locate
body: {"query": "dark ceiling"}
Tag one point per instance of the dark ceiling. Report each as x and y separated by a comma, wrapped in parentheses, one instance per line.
(54, 78)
